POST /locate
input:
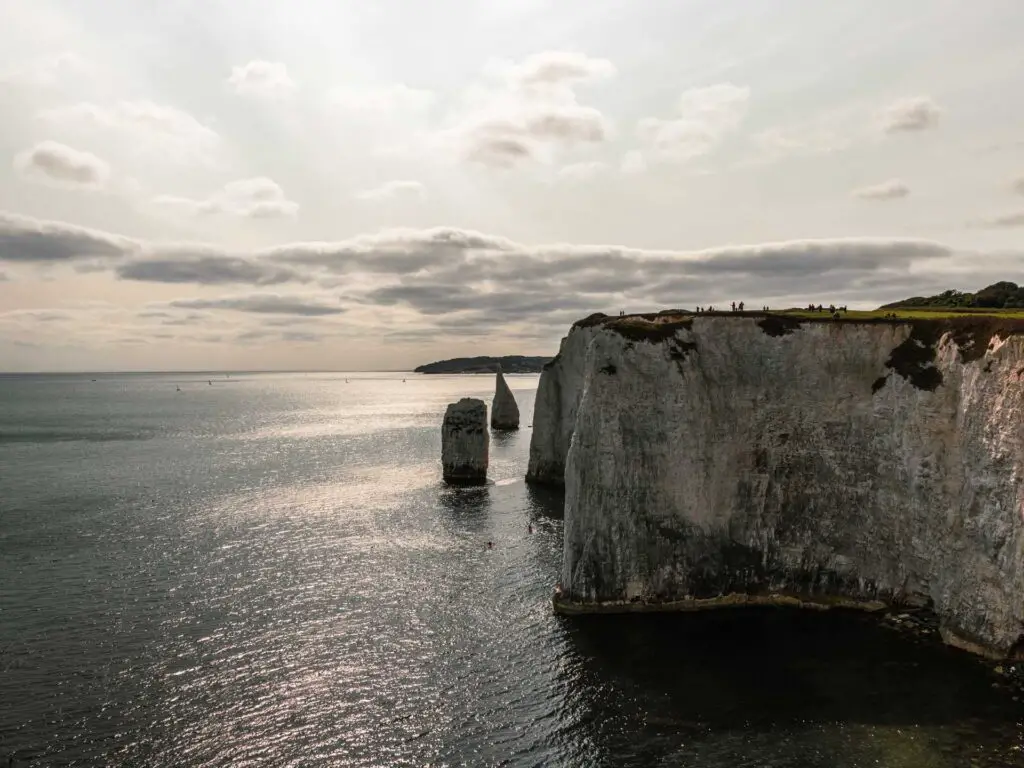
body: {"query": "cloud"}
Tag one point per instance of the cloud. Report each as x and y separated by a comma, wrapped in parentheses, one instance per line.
(579, 172)
(558, 68)
(459, 254)
(24, 239)
(892, 189)
(912, 114)
(144, 125)
(263, 304)
(633, 162)
(705, 117)
(302, 337)
(801, 141)
(393, 252)
(50, 162)
(256, 198)
(532, 132)
(178, 320)
(206, 269)
(390, 190)
(46, 71)
(382, 99)
(495, 150)
(30, 317)
(466, 283)
(570, 123)
(268, 335)
(260, 78)
(531, 114)
(447, 298)
(1012, 219)
(1018, 185)
(504, 142)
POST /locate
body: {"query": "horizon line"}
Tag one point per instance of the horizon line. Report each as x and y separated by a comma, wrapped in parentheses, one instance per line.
(208, 370)
(221, 372)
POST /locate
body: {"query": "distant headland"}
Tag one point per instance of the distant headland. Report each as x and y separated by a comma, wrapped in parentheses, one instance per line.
(484, 364)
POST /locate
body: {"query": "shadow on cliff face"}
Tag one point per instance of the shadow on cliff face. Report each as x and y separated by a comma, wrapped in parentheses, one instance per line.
(663, 677)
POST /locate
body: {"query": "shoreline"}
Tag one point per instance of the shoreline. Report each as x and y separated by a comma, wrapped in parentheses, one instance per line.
(566, 607)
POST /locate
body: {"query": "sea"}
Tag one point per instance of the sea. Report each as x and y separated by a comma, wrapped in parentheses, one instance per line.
(212, 569)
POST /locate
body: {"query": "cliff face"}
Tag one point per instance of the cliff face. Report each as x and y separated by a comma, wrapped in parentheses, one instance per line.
(824, 461)
(558, 396)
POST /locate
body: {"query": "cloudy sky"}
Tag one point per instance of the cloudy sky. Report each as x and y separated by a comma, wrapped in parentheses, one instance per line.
(341, 184)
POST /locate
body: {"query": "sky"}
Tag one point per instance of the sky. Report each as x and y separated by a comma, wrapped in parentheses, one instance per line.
(347, 185)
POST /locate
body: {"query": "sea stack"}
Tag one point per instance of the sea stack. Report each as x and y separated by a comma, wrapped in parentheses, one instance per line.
(464, 441)
(504, 411)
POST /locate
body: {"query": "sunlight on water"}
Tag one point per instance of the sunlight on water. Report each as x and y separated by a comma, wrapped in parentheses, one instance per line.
(269, 572)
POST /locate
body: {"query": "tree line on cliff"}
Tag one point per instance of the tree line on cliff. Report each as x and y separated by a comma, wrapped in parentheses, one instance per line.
(1001, 295)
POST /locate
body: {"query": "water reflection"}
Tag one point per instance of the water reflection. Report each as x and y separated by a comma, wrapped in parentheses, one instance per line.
(465, 508)
(545, 502)
(703, 683)
(502, 439)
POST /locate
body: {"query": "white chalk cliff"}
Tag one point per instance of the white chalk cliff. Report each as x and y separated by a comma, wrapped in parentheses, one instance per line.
(554, 409)
(464, 442)
(504, 409)
(713, 459)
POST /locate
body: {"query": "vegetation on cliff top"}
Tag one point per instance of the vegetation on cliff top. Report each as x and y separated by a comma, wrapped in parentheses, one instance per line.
(971, 329)
(1001, 295)
(484, 364)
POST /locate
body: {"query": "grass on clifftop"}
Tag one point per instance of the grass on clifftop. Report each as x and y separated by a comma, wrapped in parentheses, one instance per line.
(970, 328)
(968, 325)
(918, 313)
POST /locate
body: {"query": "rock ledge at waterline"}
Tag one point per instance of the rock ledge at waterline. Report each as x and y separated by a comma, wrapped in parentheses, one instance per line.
(766, 458)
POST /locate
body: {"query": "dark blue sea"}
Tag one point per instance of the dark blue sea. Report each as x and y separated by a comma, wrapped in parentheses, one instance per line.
(265, 570)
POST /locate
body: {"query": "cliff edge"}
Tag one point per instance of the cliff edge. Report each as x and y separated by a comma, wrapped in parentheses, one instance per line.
(712, 459)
